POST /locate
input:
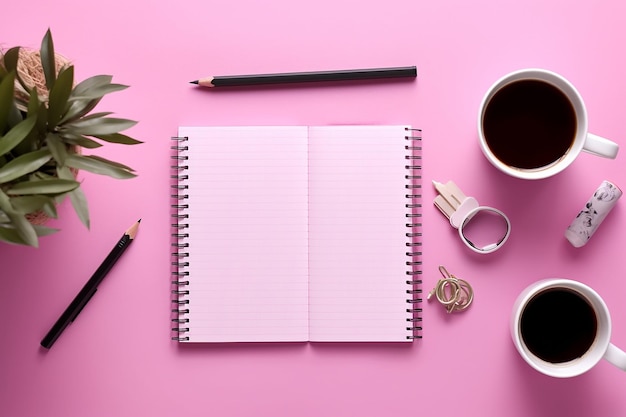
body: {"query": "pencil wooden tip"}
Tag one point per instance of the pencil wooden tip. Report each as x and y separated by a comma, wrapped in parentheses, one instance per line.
(194, 82)
(132, 231)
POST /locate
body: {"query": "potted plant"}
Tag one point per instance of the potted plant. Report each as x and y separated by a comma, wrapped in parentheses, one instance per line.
(43, 134)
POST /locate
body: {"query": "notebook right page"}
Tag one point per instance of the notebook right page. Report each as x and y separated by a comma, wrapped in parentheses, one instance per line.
(357, 234)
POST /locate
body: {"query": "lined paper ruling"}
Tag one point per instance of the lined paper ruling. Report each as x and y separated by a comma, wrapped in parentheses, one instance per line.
(296, 233)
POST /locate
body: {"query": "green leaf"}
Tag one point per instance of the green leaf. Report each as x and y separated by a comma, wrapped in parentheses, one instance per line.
(31, 142)
(81, 141)
(40, 175)
(118, 138)
(77, 197)
(6, 100)
(116, 164)
(11, 58)
(57, 148)
(42, 119)
(78, 109)
(9, 114)
(94, 127)
(33, 104)
(9, 233)
(99, 115)
(86, 85)
(25, 229)
(54, 186)
(65, 173)
(24, 164)
(59, 94)
(98, 92)
(79, 202)
(30, 204)
(100, 166)
(44, 230)
(50, 208)
(87, 94)
(48, 61)
(25, 232)
(16, 135)
(5, 203)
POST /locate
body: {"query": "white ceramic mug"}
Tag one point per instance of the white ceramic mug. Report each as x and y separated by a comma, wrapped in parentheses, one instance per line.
(601, 347)
(582, 140)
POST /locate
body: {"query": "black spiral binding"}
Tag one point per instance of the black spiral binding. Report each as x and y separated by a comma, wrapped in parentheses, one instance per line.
(180, 226)
(414, 216)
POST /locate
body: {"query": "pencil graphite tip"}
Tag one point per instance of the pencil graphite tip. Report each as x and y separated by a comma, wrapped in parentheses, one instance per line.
(194, 82)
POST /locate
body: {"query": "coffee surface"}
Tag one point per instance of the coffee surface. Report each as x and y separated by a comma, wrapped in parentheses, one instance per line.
(558, 325)
(529, 124)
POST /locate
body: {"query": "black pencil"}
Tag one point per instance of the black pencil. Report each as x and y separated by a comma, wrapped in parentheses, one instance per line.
(85, 294)
(307, 77)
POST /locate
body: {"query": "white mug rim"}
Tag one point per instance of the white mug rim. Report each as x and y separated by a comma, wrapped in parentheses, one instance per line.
(572, 95)
(596, 351)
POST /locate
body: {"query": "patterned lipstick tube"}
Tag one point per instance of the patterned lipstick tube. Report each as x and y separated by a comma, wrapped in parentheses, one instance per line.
(592, 215)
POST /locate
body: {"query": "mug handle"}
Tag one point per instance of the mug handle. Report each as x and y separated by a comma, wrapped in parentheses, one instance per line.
(600, 146)
(616, 356)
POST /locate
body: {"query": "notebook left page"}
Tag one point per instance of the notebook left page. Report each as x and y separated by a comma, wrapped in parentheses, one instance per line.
(247, 235)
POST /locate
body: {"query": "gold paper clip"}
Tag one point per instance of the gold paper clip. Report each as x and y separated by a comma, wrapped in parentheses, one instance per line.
(453, 293)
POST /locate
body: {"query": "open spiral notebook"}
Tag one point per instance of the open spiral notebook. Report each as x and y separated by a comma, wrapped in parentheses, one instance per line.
(296, 233)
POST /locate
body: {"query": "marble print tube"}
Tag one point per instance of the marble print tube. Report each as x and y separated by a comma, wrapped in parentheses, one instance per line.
(591, 216)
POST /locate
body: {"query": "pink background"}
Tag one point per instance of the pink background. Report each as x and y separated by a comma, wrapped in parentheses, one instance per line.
(117, 358)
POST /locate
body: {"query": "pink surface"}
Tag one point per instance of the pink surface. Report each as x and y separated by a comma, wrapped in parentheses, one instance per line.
(117, 359)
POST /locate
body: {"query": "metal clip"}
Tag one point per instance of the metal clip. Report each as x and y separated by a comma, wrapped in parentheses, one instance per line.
(453, 293)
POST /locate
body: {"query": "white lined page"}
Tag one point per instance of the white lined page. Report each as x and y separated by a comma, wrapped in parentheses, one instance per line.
(248, 227)
(357, 234)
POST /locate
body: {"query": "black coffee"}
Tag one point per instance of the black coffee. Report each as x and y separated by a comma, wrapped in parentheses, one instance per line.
(529, 124)
(558, 325)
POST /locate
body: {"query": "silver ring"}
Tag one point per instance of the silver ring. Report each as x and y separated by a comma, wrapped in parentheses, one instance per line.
(491, 247)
